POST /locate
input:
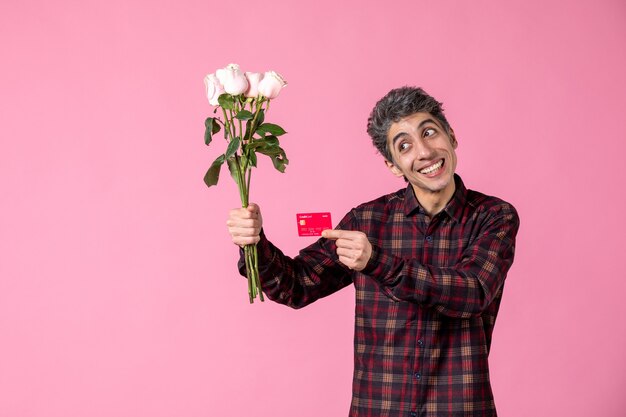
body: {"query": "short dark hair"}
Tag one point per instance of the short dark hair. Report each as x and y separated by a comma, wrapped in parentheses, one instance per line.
(398, 103)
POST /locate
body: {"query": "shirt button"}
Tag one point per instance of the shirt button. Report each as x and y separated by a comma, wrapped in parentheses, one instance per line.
(429, 238)
(419, 342)
(413, 414)
(417, 375)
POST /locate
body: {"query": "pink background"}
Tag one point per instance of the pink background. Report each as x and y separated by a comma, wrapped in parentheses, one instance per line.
(119, 294)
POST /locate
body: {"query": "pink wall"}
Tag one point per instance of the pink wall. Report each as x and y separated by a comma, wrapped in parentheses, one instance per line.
(118, 289)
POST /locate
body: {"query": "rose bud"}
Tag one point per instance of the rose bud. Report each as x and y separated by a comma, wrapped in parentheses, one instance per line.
(271, 84)
(254, 78)
(233, 80)
(213, 88)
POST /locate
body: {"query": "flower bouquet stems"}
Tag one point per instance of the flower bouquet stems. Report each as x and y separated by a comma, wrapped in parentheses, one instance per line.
(244, 100)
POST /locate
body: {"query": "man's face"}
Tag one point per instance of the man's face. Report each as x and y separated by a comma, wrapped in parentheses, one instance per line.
(424, 154)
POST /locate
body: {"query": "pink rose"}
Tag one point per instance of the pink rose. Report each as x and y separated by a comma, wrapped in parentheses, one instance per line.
(233, 80)
(271, 84)
(213, 88)
(254, 78)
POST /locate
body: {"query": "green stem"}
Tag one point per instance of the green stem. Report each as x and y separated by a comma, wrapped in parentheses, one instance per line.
(250, 273)
(256, 115)
(256, 272)
(248, 185)
(240, 126)
(227, 126)
(241, 184)
(232, 118)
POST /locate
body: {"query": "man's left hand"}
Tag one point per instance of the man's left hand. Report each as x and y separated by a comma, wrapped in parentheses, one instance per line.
(353, 248)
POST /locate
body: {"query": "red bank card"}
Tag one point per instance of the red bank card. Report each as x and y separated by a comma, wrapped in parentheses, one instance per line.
(312, 224)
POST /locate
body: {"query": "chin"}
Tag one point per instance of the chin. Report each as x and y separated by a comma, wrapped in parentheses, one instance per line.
(438, 185)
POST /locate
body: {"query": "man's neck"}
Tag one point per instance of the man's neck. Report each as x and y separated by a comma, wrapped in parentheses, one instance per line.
(433, 203)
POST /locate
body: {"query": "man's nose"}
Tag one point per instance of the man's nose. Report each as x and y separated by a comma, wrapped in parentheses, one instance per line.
(424, 151)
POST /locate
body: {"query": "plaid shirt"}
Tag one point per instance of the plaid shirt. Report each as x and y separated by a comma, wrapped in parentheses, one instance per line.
(426, 302)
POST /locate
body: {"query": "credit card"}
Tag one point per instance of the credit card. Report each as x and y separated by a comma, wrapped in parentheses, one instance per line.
(312, 224)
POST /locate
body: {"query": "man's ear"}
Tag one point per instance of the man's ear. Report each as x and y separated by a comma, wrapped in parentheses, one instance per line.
(453, 140)
(394, 169)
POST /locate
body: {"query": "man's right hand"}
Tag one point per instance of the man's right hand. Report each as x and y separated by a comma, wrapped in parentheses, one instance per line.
(244, 225)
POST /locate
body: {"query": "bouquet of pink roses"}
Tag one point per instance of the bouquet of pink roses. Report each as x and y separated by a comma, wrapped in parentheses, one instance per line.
(244, 99)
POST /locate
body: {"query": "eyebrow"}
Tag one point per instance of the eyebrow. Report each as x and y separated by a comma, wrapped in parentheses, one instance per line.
(422, 123)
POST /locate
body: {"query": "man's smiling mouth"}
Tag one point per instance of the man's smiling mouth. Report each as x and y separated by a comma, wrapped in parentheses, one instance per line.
(434, 167)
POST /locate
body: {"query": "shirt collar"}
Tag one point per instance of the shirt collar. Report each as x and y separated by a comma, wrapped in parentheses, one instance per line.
(454, 208)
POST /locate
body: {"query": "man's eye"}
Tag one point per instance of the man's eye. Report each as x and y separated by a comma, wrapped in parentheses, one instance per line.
(403, 146)
(429, 132)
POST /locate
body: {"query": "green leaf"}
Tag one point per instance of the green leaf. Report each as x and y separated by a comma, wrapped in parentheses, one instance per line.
(277, 155)
(280, 162)
(233, 147)
(271, 141)
(245, 163)
(248, 155)
(270, 146)
(259, 120)
(261, 117)
(234, 171)
(270, 150)
(247, 132)
(226, 101)
(253, 144)
(252, 157)
(266, 142)
(270, 128)
(244, 115)
(213, 174)
(211, 128)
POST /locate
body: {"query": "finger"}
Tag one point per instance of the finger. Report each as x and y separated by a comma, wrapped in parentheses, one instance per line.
(242, 213)
(244, 231)
(346, 261)
(340, 234)
(254, 208)
(247, 223)
(243, 241)
(348, 244)
(346, 253)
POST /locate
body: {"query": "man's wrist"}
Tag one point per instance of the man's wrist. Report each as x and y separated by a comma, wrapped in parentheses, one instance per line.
(373, 262)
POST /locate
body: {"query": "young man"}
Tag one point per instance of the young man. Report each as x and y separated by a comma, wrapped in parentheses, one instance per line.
(428, 264)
